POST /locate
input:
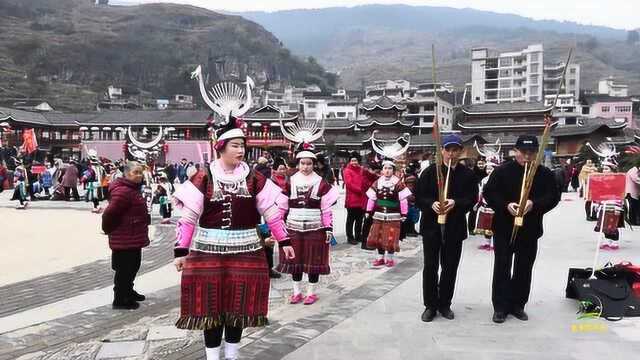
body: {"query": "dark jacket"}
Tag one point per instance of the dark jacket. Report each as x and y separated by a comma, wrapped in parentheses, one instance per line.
(264, 170)
(504, 186)
(126, 220)
(463, 189)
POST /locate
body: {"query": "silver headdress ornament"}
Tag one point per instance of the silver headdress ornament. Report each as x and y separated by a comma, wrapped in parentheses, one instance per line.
(607, 153)
(227, 100)
(303, 133)
(491, 152)
(142, 151)
(390, 150)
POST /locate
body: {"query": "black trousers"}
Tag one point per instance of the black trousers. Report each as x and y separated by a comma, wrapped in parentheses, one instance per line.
(126, 264)
(313, 278)
(634, 210)
(72, 189)
(268, 250)
(213, 337)
(512, 269)
(165, 211)
(354, 224)
(437, 292)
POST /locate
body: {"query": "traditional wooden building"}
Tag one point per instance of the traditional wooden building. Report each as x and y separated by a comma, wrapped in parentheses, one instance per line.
(570, 139)
(486, 123)
(186, 136)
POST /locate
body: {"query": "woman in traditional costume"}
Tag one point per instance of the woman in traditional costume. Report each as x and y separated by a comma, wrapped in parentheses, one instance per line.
(483, 224)
(387, 202)
(225, 278)
(309, 222)
(21, 183)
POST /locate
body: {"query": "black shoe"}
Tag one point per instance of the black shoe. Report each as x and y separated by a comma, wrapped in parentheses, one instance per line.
(352, 242)
(125, 305)
(519, 314)
(499, 317)
(274, 274)
(446, 313)
(428, 315)
(137, 297)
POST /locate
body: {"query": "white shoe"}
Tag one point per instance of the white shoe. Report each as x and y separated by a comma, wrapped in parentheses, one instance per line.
(212, 353)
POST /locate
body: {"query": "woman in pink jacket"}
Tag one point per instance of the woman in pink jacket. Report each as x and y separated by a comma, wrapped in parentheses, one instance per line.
(225, 276)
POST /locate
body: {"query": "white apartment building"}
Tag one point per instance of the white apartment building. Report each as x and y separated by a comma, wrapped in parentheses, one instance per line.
(610, 87)
(507, 77)
(388, 84)
(553, 75)
(421, 106)
(326, 108)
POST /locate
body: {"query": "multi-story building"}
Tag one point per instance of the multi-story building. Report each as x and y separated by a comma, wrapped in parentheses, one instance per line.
(610, 87)
(552, 76)
(507, 77)
(568, 108)
(388, 84)
(421, 106)
(608, 107)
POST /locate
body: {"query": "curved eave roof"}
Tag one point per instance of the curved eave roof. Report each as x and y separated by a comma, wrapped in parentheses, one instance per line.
(378, 107)
(509, 108)
(489, 126)
(365, 123)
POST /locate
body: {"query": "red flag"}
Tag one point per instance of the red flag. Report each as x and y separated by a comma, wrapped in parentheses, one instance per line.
(29, 141)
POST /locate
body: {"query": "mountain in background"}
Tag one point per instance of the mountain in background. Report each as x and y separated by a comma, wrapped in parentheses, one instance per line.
(375, 42)
(69, 51)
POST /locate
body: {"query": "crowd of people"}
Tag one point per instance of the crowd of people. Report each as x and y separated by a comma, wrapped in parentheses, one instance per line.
(233, 213)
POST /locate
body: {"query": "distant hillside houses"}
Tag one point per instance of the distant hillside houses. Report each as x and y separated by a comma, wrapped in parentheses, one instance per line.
(509, 96)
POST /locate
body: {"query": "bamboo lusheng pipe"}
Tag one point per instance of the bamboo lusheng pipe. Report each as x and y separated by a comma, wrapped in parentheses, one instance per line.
(519, 219)
(546, 134)
(442, 218)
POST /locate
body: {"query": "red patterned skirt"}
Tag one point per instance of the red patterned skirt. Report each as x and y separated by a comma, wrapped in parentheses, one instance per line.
(224, 289)
(312, 253)
(385, 235)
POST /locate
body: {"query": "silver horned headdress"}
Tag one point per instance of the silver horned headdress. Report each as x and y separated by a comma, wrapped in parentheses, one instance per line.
(226, 99)
(143, 151)
(303, 134)
(607, 153)
(390, 150)
(491, 152)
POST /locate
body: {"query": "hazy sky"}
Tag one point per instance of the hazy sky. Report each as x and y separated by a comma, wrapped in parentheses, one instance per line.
(620, 14)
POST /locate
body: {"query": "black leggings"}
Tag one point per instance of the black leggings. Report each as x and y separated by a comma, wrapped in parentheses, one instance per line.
(313, 278)
(213, 337)
(381, 252)
(95, 202)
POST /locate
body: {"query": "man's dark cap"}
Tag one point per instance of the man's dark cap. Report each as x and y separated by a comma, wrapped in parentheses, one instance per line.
(527, 142)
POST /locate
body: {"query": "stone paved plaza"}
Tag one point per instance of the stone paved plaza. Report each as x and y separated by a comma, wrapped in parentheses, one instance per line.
(56, 295)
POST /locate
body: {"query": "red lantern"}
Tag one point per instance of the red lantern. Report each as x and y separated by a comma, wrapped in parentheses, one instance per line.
(187, 134)
(165, 148)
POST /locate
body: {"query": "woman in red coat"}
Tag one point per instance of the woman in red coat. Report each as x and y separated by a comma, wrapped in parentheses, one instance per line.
(355, 200)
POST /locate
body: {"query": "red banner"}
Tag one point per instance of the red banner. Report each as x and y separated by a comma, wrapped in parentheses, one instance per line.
(266, 142)
(29, 141)
(602, 187)
(38, 169)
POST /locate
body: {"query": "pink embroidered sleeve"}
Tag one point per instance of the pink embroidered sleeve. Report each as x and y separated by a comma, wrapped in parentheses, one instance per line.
(269, 201)
(326, 202)
(404, 194)
(404, 207)
(189, 199)
(371, 204)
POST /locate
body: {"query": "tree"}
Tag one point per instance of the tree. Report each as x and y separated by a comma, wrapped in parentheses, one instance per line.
(633, 37)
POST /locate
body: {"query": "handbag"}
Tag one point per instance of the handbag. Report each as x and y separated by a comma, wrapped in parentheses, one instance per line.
(609, 295)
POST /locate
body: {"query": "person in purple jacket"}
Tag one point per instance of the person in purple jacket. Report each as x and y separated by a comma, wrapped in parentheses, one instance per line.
(126, 222)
